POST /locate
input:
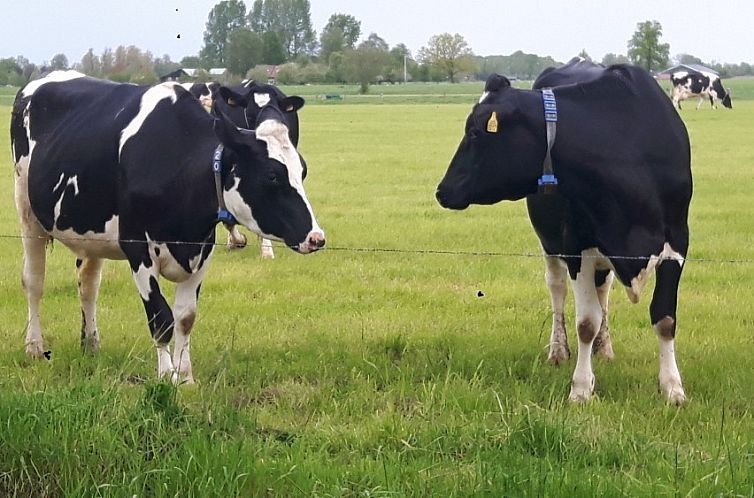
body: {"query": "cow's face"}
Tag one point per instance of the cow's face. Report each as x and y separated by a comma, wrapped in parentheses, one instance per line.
(498, 154)
(722, 93)
(264, 189)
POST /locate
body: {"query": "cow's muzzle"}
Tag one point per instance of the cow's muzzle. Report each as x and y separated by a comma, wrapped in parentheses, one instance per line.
(449, 199)
(314, 242)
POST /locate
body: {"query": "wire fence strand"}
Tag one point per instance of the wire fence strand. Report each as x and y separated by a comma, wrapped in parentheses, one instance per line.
(390, 250)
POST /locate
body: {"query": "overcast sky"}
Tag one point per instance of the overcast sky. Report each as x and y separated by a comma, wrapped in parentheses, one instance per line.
(720, 31)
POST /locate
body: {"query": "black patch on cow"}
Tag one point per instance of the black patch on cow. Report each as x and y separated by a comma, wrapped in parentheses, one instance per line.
(19, 140)
(159, 314)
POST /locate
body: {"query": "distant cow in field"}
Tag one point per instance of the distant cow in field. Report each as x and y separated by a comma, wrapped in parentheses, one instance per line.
(117, 171)
(688, 84)
(605, 167)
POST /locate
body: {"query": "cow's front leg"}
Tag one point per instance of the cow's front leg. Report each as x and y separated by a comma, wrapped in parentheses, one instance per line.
(602, 345)
(159, 315)
(663, 314)
(184, 308)
(555, 276)
(267, 251)
(89, 273)
(588, 320)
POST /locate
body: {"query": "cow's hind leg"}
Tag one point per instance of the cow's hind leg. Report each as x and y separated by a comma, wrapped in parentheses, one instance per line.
(90, 275)
(663, 314)
(555, 277)
(33, 280)
(184, 311)
(159, 314)
(588, 320)
(34, 240)
(602, 345)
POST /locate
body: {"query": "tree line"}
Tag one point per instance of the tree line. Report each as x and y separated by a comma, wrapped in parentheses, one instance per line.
(279, 33)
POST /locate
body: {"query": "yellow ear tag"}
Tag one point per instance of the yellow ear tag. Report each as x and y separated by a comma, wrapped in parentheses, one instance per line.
(492, 123)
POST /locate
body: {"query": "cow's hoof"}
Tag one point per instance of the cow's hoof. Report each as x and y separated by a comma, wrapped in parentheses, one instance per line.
(675, 394)
(188, 381)
(90, 345)
(35, 349)
(236, 240)
(603, 348)
(581, 392)
(559, 353)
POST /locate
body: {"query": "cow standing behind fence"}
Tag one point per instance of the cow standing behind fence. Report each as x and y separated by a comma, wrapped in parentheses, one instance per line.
(118, 171)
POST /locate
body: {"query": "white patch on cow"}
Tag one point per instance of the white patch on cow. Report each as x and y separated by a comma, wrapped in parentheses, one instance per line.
(680, 74)
(91, 244)
(242, 211)
(280, 148)
(149, 101)
(53, 77)
(60, 182)
(261, 99)
(71, 181)
(588, 316)
(168, 266)
(640, 281)
(670, 377)
(483, 97)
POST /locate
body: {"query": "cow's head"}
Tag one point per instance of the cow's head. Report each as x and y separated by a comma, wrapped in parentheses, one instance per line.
(206, 93)
(498, 156)
(722, 93)
(264, 188)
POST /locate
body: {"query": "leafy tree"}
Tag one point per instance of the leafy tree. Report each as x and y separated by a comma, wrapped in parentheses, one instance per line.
(290, 19)
(584, 55)
(192, 62)
(610, 59)
(10, 72)
(243, 51)
(688, 59)
(224, 18)
(162, 65)
(364, 64)
(399, 55)
(645, 49)
(90, 64)
(273, 51)
(448, 53)
(59, 61)
(288, 74)
(258, 73)
(341, 32)
(376, 41)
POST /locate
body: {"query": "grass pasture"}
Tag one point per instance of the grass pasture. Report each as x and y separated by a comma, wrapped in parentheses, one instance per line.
(374, 373)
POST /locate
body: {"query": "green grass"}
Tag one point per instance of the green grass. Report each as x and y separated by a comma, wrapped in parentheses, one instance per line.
(350, 373)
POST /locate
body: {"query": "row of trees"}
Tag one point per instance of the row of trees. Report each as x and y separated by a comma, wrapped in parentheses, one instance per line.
(280, 33)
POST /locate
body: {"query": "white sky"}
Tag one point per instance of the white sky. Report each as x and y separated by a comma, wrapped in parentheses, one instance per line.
(719, 31)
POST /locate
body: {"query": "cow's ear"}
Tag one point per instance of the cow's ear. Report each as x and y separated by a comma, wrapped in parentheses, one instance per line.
(496, 82)
(291, 104)
(233, 99)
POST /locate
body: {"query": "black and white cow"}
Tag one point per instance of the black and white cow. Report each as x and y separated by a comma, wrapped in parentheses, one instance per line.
(687, 84)
(617, 198)
(116, 171)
